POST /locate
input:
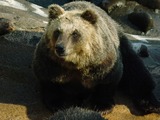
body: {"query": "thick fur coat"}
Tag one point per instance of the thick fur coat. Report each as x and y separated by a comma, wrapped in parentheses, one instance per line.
(83, 56)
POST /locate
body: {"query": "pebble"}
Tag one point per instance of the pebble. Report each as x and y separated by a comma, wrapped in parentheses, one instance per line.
(143, 51)
(5, 26)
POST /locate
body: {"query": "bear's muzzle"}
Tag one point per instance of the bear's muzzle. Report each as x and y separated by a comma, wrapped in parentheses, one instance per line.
(60, 50)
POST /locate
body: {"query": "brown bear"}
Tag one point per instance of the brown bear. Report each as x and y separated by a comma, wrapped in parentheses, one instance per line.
(83, 56)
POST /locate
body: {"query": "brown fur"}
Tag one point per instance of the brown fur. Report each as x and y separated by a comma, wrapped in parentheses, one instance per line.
(82, 57)
(80, 46)
(93, 48)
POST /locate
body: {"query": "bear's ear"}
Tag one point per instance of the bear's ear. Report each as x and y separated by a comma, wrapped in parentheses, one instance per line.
(55, 11)
(90, 16)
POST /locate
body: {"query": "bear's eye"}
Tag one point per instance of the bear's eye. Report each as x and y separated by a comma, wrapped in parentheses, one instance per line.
(76, 35)
(56, 34)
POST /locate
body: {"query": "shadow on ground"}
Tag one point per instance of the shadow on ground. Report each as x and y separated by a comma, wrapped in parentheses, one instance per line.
(18, 87)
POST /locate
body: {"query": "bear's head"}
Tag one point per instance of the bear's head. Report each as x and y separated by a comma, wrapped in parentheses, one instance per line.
(73, 36)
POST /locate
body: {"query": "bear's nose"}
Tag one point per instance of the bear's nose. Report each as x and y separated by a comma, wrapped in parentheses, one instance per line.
(60, 49)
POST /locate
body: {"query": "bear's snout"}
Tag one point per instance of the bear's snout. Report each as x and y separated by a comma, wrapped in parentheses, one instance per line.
(60, 50)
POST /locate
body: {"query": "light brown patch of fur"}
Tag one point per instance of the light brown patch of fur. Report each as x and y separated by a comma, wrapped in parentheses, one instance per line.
(101, 41)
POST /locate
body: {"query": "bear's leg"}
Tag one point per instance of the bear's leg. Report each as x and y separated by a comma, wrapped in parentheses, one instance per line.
(136, 79)
(102, 98)
(58, 96)
(52, 95)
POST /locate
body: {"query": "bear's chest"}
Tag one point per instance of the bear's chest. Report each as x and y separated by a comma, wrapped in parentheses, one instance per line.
(84, 78)
(66, 76)
(72, 82)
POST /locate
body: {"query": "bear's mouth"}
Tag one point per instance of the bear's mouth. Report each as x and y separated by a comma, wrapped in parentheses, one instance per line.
(60, 54)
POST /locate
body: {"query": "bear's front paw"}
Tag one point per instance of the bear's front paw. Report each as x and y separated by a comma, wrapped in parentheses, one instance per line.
(104, 106)
(52, 96)
(52, 104)
(147, 106)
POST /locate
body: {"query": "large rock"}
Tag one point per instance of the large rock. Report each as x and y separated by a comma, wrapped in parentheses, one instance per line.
(153, 4)
(144, 21)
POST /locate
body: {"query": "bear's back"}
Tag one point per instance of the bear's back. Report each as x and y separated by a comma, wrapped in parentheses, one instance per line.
(78, 5)
(83, 6)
